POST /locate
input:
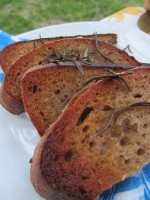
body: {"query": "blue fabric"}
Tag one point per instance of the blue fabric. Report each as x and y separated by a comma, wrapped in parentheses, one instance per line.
(135, 187)
(1, 77)
(5, 39)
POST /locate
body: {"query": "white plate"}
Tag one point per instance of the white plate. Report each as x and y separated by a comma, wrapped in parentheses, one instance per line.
(18, 137)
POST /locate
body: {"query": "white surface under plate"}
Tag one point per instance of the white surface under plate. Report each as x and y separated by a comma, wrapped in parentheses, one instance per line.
(18, 137)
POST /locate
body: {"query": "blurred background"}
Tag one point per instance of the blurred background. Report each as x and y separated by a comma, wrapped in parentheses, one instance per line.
(18, 16)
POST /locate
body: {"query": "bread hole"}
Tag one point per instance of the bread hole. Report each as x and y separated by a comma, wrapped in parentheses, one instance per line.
(107, 108)
(95, 100)
(137, 95)
(143, 135)
(68, 156)
(40, 63)
(84, 115)
(140, 152)
(45, 119)
(85, 128)
(92, 144)
(57, 91)
(39, 89)
(42, 114)
(34, 89)
(127, 161)
(125, 141)
(145, 125)
(85, 178)
(66, 96)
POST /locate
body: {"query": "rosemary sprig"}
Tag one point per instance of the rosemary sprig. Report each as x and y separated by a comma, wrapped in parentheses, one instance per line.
(116, 76)
(127, 127)
(64, 56)
(79, 66)
(98, 49)
(113, 41)
(85, 58)
(34, 45)
(108, 124)
(115, 113)
(121, 79)
(128, 48)
(41, 39)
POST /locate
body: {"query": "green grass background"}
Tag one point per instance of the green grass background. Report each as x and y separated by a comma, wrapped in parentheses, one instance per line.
(17, 16)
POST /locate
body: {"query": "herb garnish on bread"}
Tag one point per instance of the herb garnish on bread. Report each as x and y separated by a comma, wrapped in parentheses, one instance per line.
(80, 161)
(64, 50)
(12, 52)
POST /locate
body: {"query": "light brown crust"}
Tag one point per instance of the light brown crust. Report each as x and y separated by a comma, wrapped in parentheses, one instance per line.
(74, 175)
(12, 80)
(12, 52)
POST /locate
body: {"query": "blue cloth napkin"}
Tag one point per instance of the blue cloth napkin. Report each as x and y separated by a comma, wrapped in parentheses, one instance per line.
(6, 39)
(135, 187)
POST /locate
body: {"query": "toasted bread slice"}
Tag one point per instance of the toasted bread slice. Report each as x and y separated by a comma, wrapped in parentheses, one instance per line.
(101, 137)
(47, 89)
(76, 50)
(14, 51)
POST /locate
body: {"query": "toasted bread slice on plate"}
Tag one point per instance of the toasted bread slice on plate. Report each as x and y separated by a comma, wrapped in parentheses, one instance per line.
(47, 89)
(14, 51)
(101, 137)
(76, 50)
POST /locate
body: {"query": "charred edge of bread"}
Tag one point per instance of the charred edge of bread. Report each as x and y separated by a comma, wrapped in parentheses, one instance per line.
(45, 190)
(10, 103)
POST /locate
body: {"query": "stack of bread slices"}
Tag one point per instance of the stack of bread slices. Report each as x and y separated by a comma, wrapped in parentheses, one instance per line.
(90, 103)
